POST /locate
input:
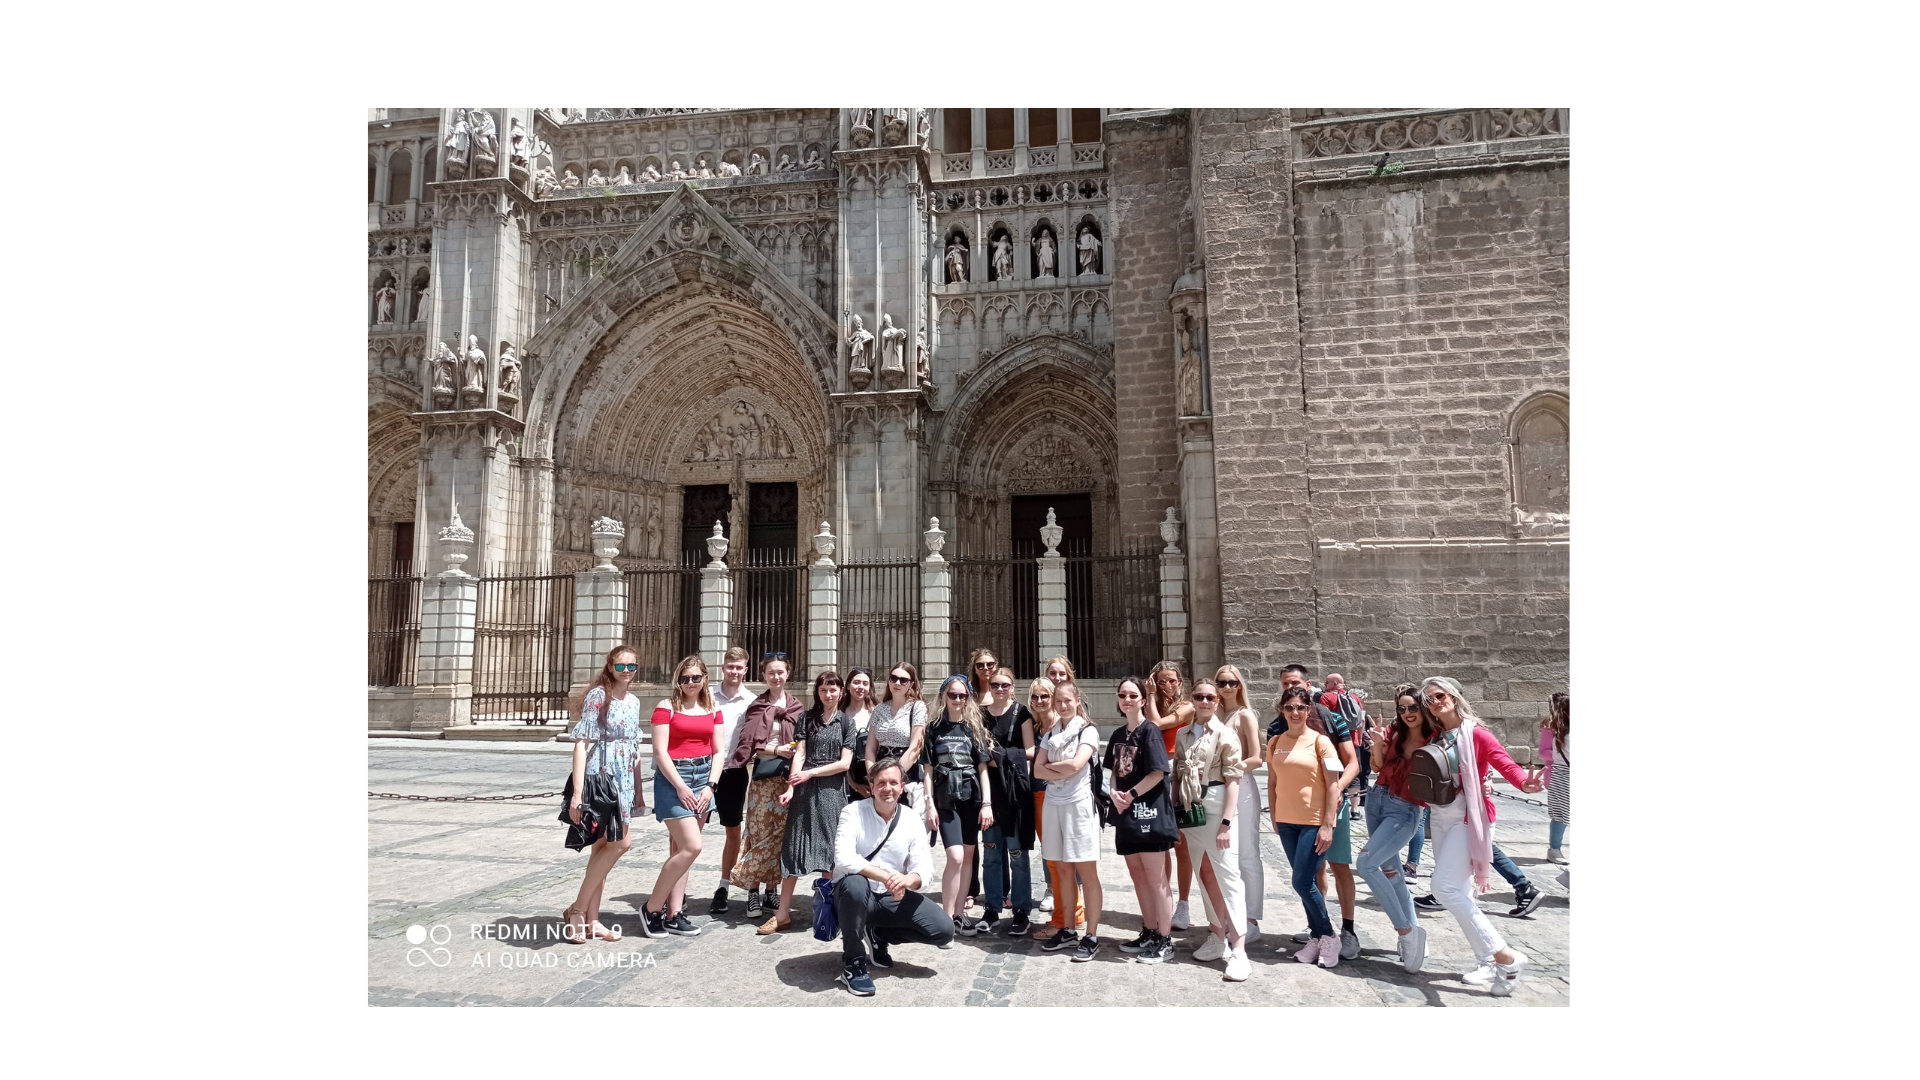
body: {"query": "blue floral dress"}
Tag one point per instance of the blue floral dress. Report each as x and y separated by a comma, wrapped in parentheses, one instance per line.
(619, 739)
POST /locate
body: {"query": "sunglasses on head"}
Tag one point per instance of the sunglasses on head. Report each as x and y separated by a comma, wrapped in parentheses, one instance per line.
(689, 680)
(626, 667)
(773, 656)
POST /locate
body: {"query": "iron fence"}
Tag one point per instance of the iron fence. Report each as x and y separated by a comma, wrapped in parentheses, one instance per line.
(1113, 612)
(769, 605)
(393, 629)
(523, 648)
(663, 617)
(879, 614)
(996, 606)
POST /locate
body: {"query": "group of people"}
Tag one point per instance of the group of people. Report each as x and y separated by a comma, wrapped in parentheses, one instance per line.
(822, 786)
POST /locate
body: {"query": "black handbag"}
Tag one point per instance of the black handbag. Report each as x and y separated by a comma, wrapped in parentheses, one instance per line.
(768, 768)
(599, 807)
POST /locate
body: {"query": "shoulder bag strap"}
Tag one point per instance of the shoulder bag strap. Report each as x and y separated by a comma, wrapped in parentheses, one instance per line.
(898, 807)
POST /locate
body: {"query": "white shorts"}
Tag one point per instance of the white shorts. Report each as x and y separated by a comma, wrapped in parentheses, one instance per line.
(1069, 832)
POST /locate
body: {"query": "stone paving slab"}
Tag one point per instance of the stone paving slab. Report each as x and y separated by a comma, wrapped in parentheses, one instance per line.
(486, 882)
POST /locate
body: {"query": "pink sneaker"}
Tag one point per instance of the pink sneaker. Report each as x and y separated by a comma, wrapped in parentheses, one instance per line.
(1330, 950)
(1311, 951)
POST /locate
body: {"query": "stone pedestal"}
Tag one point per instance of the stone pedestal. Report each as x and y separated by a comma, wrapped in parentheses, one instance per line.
(936, 605)
(599, 606)
(823, 608)
(1173, 593)
(1052, 594)
(716, 601)
(1197, 506)
(443, 694)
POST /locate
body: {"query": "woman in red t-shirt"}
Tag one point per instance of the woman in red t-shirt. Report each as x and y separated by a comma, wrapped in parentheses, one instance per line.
(686, 735)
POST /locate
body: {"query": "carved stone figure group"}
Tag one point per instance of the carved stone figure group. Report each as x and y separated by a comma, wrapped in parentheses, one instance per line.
(472, 140)
(741, 434)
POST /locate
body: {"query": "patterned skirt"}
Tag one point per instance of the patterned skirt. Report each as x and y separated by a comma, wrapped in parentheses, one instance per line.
(766, 828)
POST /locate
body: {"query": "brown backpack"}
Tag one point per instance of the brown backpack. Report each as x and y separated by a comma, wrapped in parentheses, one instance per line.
(1433, 773)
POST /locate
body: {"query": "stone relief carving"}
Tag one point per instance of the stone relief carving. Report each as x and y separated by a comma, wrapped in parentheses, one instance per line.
(622, 178)
(649, 175)
(1189, 377)
(859, 349)
(727, 168)
(676, 172)
(1002, 258)
(383, 298)
(757, 165)
(786, 164)
(741, 434)
(956, 260)
(813, 161)
(544, 185)
(1089, 250)
(893, 341)
(509, 374)
(475, 375)
(519, 147)
(921, 371)
(569, 180)
(1540, 523)
(1043, 252)
(893, 131)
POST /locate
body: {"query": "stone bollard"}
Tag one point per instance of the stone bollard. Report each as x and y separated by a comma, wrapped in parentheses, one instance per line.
(823, 607)
(936, 606)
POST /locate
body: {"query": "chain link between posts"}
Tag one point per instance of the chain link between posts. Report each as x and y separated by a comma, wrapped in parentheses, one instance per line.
(460, 798)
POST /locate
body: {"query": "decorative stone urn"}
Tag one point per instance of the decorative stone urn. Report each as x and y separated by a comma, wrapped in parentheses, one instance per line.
(607, 535)
(1170, 532)
(823, 543)
(717, 545)
(935, 539)
(456, 541)
(1050, 533)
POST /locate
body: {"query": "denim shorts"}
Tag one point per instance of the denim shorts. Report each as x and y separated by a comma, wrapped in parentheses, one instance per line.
(666, 801)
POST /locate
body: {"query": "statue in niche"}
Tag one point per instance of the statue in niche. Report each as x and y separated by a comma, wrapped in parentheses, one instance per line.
(476, 370)
(443, 361)
(727, 168)
(778, 447)
(893, 342)
(420, 293)
(509, 373)
(486, 147)
(649, 175)
(813, 160)
(757, 165)
(1043, 252)
(1189, 370)
(383, 302)
(519, 147)
(786, 163)
(1089, 246)
(701, 172)
(569, 180)
(459, 141)
(860, 348)
(623, 177)
(956, 260)
(676, 173)
(921, 371)
(923, 128)
(1002, 258)
(654, 532)
(544, 185)
(594, 179)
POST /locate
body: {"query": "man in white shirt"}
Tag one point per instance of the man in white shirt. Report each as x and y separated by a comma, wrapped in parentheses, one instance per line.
(888, 849)
(731, 697)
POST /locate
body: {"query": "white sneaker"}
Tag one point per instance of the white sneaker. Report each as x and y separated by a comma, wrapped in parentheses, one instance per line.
(1303, 937)
(1253, 932)
(1507, 976)
(1046, 902)
(1212, 949)
(1238, 966)
(1554, 855)
(1413, 949)
(1480, 976)
(1180, 918)
(1310, 953)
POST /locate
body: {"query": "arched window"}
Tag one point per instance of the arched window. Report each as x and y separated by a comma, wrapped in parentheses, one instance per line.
(1043, 127)
(958, 125)
(399, 177)
(1537, 439)
(430, 168)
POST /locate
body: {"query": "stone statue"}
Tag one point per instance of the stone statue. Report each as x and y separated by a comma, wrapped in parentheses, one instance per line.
(383, 303)
(956, 260)
(509, 373)
(859, 347)
(519, 147)
(813, 160)
(459, 141)
(1002, 258)
(1043, 252)
(484, 142)
(921, 371)
(622, 178)
(476, 372)
(922, 127)
(703, 173)
(649, 174)
(594, 179)
(544, 185)
(893, 343)
(727, 168)
(443, 360)
(676, 173)
(1089, 246)
(653, 529)
(1189, 372)
(786, 163)
(420, 301)
(757, 165)
(569, 180)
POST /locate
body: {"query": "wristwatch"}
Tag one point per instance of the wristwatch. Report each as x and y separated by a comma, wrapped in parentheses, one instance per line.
(1226, 821)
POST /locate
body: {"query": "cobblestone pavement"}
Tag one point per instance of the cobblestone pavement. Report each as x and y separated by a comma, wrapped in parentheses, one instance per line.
(486, 883)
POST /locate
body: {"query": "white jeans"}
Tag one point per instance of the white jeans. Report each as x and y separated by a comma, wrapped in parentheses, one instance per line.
(1248, 823)
(1452, 876)
(1226, 870)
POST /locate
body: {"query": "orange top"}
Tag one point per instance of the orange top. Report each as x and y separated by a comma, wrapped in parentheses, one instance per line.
(1297, 777)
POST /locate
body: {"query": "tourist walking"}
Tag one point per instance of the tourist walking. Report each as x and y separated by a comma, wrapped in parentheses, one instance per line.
(731, 697)
(1070, 828)
(1555, 735)
(879, 868)
(1463, 829)
(1301, 762)
(686, 737)
(957, 755)
(1144, 828)
(765, 746)
(1168, 708)
(606, 740)
(816, 793)
(899, 730)
(1008, 876)
(1208, 774)
(1393, 816)
(1235, 706)
(859, 709)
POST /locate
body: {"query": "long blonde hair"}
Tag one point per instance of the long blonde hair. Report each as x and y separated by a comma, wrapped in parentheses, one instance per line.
(1079, 702)
(1041, 723)
(1229, 671)
(1063, 662)
(969, 713)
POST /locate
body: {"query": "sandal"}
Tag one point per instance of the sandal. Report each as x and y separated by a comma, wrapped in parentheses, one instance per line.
(605, 934)
(775, 925)
(571, 932)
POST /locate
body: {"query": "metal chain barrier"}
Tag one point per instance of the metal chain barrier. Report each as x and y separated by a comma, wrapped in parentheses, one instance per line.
(1516, 798)
(460, 798)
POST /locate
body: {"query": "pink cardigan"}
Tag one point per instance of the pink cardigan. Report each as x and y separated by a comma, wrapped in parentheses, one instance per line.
(1488, 751)
(1546, 755)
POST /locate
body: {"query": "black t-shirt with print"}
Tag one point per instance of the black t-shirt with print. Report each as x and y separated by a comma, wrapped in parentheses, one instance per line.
(951, 748)
(1131, 755)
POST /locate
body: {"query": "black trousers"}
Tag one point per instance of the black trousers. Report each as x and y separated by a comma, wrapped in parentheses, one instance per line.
(912, 918)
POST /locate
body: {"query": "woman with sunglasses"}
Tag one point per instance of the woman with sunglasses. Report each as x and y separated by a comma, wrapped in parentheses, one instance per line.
(957, 754)
(1137, 757)
(1463, 830)
(1040, 702)
(1009, 779)
(899, 729)
(1393, 817)
(1208, 774)
(859, 708)
(1070, 831)
(1305, 784)
(816, 793)
(1247, 728)
(686, 736)
(765, 747)
(983, 664)
(608, 735)
(1169, 710)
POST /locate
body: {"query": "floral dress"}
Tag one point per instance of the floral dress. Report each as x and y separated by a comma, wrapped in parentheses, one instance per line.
(618, 740)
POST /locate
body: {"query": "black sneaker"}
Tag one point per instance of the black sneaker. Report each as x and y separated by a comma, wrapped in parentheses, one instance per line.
(881, 957)
(1062, 939)
(754, 904)
(1084, 951)
(653, 924)
(1157, 951)
(855, 978)
(681, 926)
(719, 905)
(1428, 904)
(1527, 897)
(1130, 947)
(985, 925)
(1019, 926)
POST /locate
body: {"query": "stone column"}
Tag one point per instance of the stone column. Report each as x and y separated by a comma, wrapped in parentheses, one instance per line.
(1173, 593)
(449, 602)
(979, 146)
(716, 601)
(936, 605)
(599, 605)
(823, 607)
(1052, 594)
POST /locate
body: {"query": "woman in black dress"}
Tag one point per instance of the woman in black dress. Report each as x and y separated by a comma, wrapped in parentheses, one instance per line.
(816, 790)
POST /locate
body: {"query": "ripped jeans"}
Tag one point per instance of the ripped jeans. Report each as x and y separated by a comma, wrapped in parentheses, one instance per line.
(1391, 822)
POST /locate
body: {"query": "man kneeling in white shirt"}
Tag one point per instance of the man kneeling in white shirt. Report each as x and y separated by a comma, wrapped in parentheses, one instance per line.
(884, 909)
